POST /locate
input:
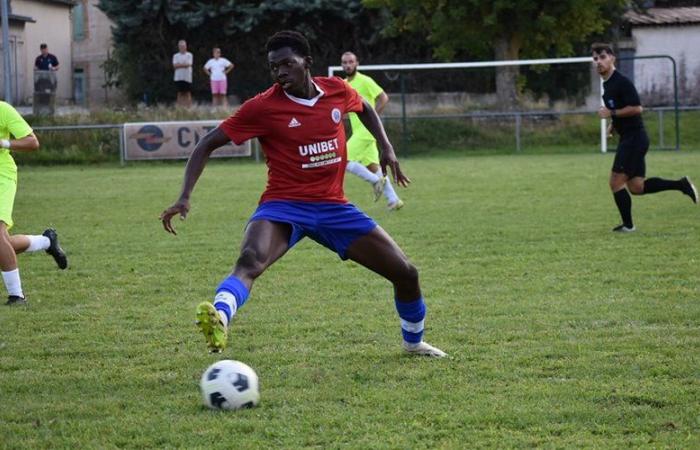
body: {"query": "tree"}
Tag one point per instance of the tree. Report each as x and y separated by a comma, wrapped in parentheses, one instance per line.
(502, 30)
(146, 32)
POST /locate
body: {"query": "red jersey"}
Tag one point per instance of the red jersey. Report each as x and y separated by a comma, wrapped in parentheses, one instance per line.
(303, 140)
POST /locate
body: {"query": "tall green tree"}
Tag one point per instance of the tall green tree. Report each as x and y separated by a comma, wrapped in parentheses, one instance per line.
(502, 29)
(146, 32)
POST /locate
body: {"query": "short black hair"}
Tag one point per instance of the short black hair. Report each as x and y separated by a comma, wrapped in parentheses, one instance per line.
(43, 46)
(602, 47)
(288, 38)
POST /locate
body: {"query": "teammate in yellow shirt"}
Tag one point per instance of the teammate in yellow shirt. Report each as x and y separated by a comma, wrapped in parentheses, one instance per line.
(363, 155)
(17, 136)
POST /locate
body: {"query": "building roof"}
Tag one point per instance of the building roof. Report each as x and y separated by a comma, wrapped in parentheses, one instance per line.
(18, 18)
(663, 16)
(60, 2)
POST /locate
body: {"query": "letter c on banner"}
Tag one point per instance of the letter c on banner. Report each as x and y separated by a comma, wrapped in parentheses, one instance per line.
(181, 136)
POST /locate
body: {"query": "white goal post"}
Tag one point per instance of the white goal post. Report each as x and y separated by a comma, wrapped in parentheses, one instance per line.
(479, 64)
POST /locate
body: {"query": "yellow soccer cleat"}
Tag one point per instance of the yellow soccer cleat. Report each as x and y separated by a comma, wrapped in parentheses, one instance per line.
(398, 204)
(378, 188)
(210, 324)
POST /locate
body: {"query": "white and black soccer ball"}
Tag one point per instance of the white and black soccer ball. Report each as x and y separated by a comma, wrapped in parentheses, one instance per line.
(229, 384)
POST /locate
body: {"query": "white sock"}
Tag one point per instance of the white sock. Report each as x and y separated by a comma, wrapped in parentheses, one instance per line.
(362, 172)
(389, 191)
(37, 243)
(12, 283)
(227, 298)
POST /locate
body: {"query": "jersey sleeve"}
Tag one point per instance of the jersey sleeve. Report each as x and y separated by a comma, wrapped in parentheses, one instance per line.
(630, 96)
(13, 122)
(374, 89)
(353, 100)
(246, 123)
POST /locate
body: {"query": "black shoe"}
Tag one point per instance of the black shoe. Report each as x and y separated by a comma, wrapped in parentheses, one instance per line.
(55, 249)
(13, 300)
(624, 229)
(689, 189)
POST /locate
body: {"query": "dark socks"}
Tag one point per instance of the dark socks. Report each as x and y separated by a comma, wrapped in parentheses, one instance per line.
(624, 205)
(652, 185)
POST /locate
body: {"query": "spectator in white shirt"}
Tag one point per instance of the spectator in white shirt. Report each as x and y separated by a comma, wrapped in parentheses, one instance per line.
(217, 68)
(182, 63)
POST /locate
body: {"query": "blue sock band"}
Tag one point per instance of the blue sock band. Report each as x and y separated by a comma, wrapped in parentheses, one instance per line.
(221, 306)
(412, 316)
(235, 287)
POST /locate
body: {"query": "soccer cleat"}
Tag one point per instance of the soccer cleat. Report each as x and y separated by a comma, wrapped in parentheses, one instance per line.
(212, 327)
(689, 189)
(423, 349)
(398, 204)
(55, 249)
(624, 229)
(378, 188)
(16, 300)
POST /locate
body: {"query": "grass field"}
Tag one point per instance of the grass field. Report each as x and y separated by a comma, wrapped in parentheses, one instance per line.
(561, 334)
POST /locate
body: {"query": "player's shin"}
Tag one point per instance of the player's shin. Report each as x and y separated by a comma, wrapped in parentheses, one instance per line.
(412, 316)
(230, 295)
(624, 205)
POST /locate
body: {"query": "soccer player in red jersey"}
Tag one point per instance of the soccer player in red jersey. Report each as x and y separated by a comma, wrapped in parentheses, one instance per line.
(298, 122)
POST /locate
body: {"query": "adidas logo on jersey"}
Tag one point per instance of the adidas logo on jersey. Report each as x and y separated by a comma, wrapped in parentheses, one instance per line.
(294, 123)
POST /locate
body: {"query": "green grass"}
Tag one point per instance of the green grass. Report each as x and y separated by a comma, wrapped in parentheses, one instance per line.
(561, 334)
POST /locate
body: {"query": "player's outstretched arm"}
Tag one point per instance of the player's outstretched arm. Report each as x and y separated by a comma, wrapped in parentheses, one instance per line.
(370, 119)
(195, 166)
(28, 143)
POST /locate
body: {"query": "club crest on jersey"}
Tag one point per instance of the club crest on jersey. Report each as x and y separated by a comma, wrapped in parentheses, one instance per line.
(611, 102)
(294, 123)
(335, 115)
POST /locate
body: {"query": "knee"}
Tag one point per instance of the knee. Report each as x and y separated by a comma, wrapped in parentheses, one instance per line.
(636, 188)
(616, 185)
(249, 263)
(408, 274)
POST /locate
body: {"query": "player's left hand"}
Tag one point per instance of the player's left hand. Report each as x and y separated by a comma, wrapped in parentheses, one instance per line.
(604, 113)
(180, 207)
(388, 159)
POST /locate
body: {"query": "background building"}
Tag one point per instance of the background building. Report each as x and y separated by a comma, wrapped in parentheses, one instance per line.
(664, 31)
(33, 22)
(92, 44)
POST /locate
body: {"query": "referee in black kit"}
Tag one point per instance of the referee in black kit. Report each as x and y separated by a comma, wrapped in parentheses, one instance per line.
(622, 105)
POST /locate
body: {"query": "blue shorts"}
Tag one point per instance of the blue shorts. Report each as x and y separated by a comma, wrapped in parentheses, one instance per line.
(333, 225)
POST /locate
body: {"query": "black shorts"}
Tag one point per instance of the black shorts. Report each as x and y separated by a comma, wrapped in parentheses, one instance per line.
(631, 151)
(183, 86)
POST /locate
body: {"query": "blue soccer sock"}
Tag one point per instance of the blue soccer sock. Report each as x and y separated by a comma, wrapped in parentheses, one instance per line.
(412, 316)
(230, 295)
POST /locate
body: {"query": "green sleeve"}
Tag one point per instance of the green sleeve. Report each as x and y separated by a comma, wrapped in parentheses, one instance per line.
(374, 89)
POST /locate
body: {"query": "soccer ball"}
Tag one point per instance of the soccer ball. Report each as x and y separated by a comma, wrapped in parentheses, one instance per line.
(229, 384)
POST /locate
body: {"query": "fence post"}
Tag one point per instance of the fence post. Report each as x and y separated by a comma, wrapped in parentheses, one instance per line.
(404, 124)
(518, 122)
(661, 128)
(122, 148)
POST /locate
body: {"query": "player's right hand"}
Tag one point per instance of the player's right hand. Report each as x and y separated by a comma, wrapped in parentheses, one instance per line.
(180, 207)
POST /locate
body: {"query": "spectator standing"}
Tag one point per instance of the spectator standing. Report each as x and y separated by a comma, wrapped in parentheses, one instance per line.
(182, 63)
(217, 68)
(46, 60)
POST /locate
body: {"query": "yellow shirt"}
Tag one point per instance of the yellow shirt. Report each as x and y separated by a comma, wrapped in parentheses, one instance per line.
(369, 90)
(12, 126)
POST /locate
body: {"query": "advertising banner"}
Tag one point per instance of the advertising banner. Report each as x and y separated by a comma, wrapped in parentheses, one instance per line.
(173, 140)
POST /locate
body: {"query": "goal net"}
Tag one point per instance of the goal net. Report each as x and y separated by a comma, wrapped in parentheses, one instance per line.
(457, 106)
